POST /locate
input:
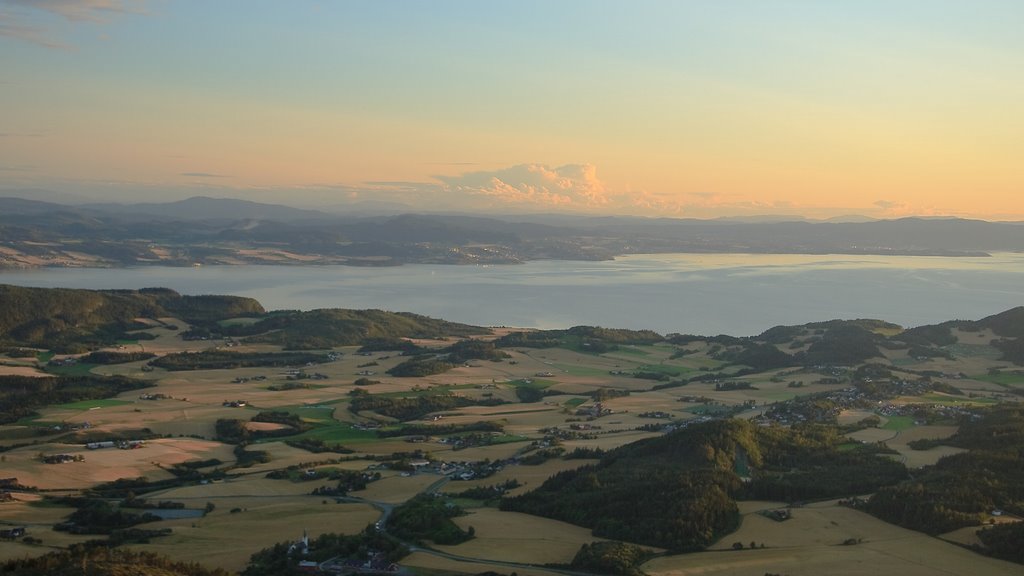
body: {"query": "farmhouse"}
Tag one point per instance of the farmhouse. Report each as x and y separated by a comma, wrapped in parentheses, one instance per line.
(11, 533)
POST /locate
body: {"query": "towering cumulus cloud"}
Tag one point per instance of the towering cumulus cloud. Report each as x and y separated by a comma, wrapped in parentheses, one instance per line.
(569, 186)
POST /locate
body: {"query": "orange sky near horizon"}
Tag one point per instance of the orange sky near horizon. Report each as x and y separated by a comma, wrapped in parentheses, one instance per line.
(681, 109)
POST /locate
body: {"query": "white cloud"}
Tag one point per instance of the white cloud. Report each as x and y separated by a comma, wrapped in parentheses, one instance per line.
(573, 186)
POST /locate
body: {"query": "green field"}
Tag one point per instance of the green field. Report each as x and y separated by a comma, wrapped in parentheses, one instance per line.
(574, 370)
(81, 369)
(535, 383)
(90, 404)
(664, 369)
(957, 400)
(239, 321)
(420, 391)
(325, 427)
(332, 433)
(896, 423)
(709, 409)
(496, 439)
(974, 350)
(629, 351)
(699, 362)
(1007, 379)
(513, 412)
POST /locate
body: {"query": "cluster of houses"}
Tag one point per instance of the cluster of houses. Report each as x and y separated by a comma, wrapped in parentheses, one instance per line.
(469, 440)
(577, 431)
(157, 396)
(777, 514)
(303, 375)
(122, 444)
(680, 425)
(940, 410)
(595, 410)
(375, 563)
(458, 470)
(827, 405)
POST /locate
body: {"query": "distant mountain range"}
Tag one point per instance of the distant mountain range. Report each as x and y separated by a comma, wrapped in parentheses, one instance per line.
(228, 231)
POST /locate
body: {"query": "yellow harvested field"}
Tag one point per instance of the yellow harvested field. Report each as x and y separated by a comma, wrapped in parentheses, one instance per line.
(899, 441)
(265, 426)
(751, 506)
(926, 433)
(918, 458)
(281, 456)
(52, 541)
(515, 537)
(429, 561)
(225, 540)
(965, 536)
(812, 543)
(397, 489)
(529, 477)
(609, 441)
(22, 511)
(254, 486)
(847, 417)
(8, 370)
(39, 521)
(493, 452)
(107, 464)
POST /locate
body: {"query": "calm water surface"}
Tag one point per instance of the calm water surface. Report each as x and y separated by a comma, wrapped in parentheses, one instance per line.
(738, 294)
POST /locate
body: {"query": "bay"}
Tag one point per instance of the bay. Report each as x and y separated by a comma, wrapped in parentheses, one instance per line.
(737, 294)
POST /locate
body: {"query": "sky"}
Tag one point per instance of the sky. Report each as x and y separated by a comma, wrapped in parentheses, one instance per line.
(658, 108)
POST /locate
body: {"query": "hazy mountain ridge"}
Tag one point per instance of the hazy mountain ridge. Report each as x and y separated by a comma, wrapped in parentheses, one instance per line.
(225, 231)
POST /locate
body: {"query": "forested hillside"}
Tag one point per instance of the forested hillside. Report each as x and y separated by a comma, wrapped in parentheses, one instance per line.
(960, 490)
(679, 491)
(319, 329)
(67, 320)
(21, 396)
